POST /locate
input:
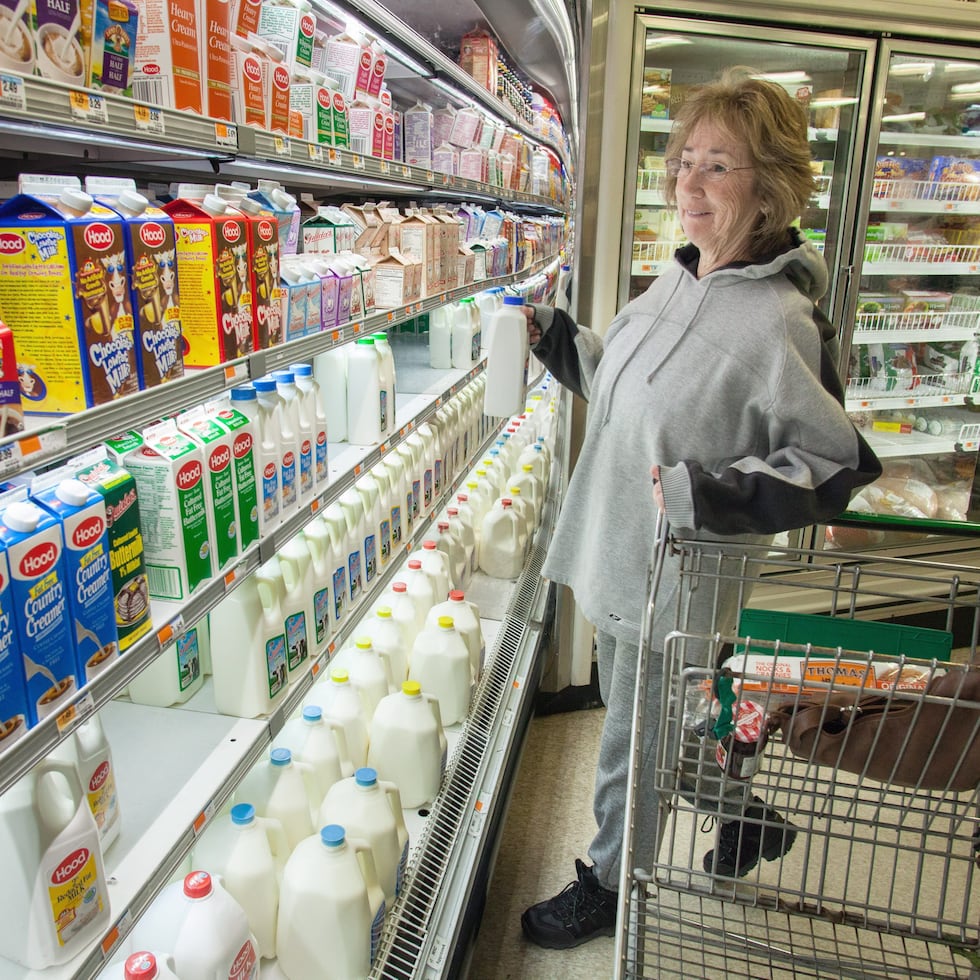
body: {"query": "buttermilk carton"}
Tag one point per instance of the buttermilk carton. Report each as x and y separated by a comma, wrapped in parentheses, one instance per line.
(14, 713)
(82, 514)
(64, 290)
(130, 588)
(244, 469)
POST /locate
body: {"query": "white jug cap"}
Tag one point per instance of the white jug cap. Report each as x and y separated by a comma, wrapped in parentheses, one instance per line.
(22, 515)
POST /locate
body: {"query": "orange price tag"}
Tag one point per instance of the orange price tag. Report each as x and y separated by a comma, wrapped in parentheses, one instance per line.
(382, 448)
(335, 336)
(230, 373)
(332, 648)
(29, 445)
(315, 669)
(165, 634)
(109, 940)
(315, 507)
(230, 577)
(66, 717)
(357, 470)
(356, 328)
(391, 316)
(199, 821)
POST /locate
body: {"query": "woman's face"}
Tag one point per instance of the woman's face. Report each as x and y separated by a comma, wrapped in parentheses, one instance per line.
(717, 215)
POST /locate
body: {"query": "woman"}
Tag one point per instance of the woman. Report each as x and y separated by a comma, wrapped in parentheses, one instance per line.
(720, 384)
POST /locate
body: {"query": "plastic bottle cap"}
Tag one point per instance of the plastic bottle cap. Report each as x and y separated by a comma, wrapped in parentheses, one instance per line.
(528, 468)
(513, 301)
(452, 512)
(446, 622)
(516, 491)
(242, 814)
(280, 757)
(366, 340)
(133, 201)
(284, 377)
(140, 966)
(244, 393)
(366, 776)
(472, 484)
(399, 587)
(364, 643)
(302, 370)
(249, 206)
(467, 299)
(264, 384)
(73, 492)
(384, 612)
(443, 525)
(339, 676)
(414, 563)
(412, 688)
(457, 595)
(462, 497)
(332, 835)
(197, 884)
(75, 199)
(213, 204)
(381, 335)
(312, 712)
(22, 515)
(429, 545)
(506, 502)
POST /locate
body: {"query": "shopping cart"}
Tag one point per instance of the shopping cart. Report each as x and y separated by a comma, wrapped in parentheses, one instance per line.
(881, 877)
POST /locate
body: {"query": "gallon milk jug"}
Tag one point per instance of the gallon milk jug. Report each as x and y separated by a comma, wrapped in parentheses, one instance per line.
(387, 368)
(419, 587)
(377, 523)
(435, 564)
(369, 673)
(531, 491)
(489, 301)
(299, 615)
(469, 518)
(249, 662)
(54, 879)
(98, 777)
(287, 444)
(523, 510)
(466, 619)
(408, 744)
(398, 493)
(244, 399)
(331, 909)
(276, 787)
(392, 638)
(466, 335)
(536, 456)
(301, 422)
(340, 702)
(330, 371)
(381, 474)
(324, 561)
(357, 534)
(440, 662)
(506, 374)
(293, 608)
(502, 542)
(178, 672)
(367, 402)
(440, 338)
(426, 434)
(336, 522)
(312, 410)
(562, 298)
(143, 965)
(413, 484)
(247, 852)
(462, 529)
(321, 744)
(214, 939)
(451, 546)
(372, 811)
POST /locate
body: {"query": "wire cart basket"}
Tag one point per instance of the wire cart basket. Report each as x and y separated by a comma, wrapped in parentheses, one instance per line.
(872, 871)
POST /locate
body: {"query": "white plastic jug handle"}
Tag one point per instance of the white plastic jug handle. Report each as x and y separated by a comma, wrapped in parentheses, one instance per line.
(365, 857)
(434, 707)
(278, 841)
(343, 749)
(395, 802)
(389, 673)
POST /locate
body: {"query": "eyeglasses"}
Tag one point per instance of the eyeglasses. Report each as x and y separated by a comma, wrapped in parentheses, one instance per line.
(676, 167)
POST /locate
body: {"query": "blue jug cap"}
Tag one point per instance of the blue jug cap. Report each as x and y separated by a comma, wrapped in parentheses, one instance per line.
(287, 377)
(242, 814)
(366, 776)
(312, 712)
(244, 393)
(332, 835)
(280, 757)
(301, 370)
(513, 301)
(266, 383)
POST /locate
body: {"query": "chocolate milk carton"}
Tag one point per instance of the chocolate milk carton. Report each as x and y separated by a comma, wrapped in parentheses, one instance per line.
(14, 713)
(130, 587)
(82, 514)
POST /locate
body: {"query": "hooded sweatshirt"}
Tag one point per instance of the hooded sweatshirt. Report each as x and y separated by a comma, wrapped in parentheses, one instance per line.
(729, 384)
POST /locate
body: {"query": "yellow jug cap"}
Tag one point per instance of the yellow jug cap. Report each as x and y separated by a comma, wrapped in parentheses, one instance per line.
(446, 622)
(412, 688)
(339, 676)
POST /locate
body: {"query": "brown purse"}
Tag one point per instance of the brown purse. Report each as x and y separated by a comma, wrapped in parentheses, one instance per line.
(898, 737)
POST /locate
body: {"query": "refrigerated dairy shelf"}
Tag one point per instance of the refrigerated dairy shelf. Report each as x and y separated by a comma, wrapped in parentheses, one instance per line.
(920, 138)
(915, 327)
(902, 445)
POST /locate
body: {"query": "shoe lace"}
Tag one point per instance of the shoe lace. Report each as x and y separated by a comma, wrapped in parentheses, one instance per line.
(576, 900)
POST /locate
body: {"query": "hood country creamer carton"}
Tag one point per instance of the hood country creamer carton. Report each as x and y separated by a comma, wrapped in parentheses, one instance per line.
(14, 713)
(39, 594)
(168, 468)
(64, 282)
(82, 514)
(129, 582)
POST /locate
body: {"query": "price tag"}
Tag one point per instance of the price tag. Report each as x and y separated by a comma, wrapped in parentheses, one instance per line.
(385, 167)
(234, 373)
(334, 158)
(149, 119)
(282, 146)
(13, 94)
(430, 176)
(357, 161)
(201, 820)
(407, 172)
(169, 631)
(225, 135)
(88, 107)
(335, 336)
(74, 713)
(316, 152)
(231, 577)
(445, 180)
(391, 316)
(111, 939)
(356, 328)
(30, 448)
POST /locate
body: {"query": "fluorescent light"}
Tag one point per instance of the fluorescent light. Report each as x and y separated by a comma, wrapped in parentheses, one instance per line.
(924, 68)
(954, 67)
(831, 103)
(665, 41)
(904, 117)
(453, 93)
(962, 87)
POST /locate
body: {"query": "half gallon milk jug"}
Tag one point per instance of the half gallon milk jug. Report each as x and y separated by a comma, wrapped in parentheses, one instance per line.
(299, 612)
(440, 662)
(143, 965)
(178, 672)
(341, 702)
(408, 744)
(390, 638)
(413, 484)
(502, 542)
(381, 476)
(331, 909)
(293, 608)
(321, 743)
(357, 532)
(367, 404)
(448, 542)
(98, 777)
(536, 456)
(387, 368)
(336, 523)
(249, 662)
(214, 939)
(244, 399)
(301, 423)
(247, 852)
(330, 371)
(369, 672)
(466, 619)
(435, 564)
(325, 561)
(424, 467)
(506, 374)
(394, 467)
(466, 335)
(276, 787)
(372, 811)
(440, 338)
(287, 445)
(311, 408)
(57, 898)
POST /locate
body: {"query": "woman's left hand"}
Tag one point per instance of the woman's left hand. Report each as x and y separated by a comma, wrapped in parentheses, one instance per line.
(658, 493)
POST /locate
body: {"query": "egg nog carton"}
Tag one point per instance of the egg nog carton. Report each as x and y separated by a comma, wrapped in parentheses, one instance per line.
(167, 71)
(168, 469)
(15, 716)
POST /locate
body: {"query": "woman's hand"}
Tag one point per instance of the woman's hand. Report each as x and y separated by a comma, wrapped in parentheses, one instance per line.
(533, 330)
(658, 493)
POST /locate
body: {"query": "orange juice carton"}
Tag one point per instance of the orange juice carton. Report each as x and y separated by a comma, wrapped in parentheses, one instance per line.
(167, 71)
(154, 289)
(213, 262)
(478, 58)
(241, 433)
(217, 64)
(14, 712)
(168, 468)
(64, 282)
(11, 410)
(39, 594)
(129, 583)
(58, 43)
(250, 83)
(85, 530)
(112, 46)
(291, 27)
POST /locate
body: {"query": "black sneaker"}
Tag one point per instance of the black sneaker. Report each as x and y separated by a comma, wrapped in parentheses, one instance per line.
(582, 910)
(741, 844)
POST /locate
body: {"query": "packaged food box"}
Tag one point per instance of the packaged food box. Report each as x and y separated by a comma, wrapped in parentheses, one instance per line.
(959, 177)
(655, 98)
(113, 46)
(902, 174)
(872, 302)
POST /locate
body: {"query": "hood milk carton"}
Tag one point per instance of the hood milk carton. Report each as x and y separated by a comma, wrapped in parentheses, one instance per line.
(130, 587)
(39, 594)
(244, 467)
(82, 514)
(291, 27)
(14, 713)
(168, 468)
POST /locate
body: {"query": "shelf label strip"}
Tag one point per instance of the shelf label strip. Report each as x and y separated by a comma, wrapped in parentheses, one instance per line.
(13, 93)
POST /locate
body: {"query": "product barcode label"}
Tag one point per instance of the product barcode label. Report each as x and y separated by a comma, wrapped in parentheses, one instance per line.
(152, 90)
(225, 135)
(164, 583)
(283, 146)
(12, 92)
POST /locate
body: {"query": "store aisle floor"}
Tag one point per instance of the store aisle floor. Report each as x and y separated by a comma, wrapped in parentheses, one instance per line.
(548, 825)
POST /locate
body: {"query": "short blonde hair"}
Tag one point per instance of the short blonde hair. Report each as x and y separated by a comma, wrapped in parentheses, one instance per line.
(772, 126)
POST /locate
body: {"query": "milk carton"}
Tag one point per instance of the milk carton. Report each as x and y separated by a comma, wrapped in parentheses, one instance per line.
(417, 129)
(82, 514)
(168, 67)
(14, 713)
(329, 230)
(64, 282)
(39, 594)
(57, 41)
(16, 38)
(169, 472)
(112, 45)
(243, 470)
(342, 60)
(217, 64)
(291, 27)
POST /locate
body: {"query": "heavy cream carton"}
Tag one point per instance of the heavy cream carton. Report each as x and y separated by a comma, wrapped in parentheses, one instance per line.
(82, 514)
(168, 469)
(168, 65)
(244, 467)
(39, 596)
(112, 48)
(14, 712)
(129, 583)
(245, 17)
(64, 282)
(280, 120)
(217, 64)
(250, 83)
(58, 44)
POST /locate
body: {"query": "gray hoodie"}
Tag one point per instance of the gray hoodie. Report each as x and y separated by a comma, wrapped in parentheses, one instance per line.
(729, 384)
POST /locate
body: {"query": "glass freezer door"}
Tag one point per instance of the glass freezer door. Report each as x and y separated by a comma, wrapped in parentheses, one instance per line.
(671, 55)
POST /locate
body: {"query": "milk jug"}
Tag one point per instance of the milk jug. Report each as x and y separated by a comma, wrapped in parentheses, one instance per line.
(312, 409)
(320, 743)
(288, 447)
(247, 852)
(387, 368)
(471, 513)
(435, 564)
(440, 338)
(52, 860)
(142, 965)
(419, 587)
(484, 492)
(97, 775)
(367, 401)
(448, 542)
(461, 526)
(301, 423)
(506, 374)
(408, 744)
(392, 638)
(440, 662)
(178, 672)
(398, 494)
(413, 485)
(435, 432)
(466, 618)
(536, 456)
(296, 565)
(466, 335)
(502, 542)
(336, 522)
(372, 811)
(425, 459)
(281, 576)
(488, 302)
(324, 560)
(331, 909)
(369, 672)
(330, 371)
(562, 301)
(244, 399)
(276, 787)
(357, 533)
(341, 702)
(249, 661)
(530, 489)
(376, 547)
(523, 510)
